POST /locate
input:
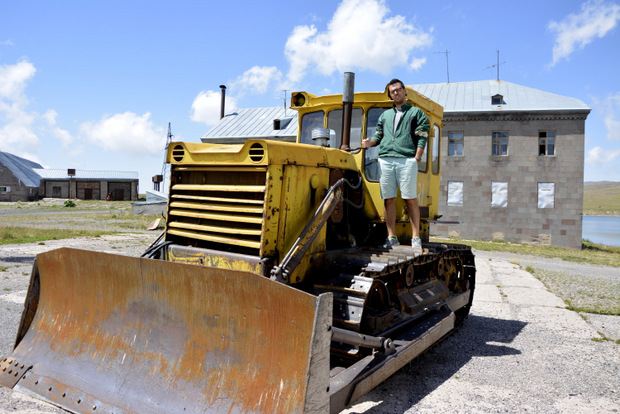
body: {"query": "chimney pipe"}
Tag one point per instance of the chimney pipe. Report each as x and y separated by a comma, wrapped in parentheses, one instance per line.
(347, 109)
(223, 102)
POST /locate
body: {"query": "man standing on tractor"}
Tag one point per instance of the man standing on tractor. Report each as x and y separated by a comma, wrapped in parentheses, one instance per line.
(402, 133)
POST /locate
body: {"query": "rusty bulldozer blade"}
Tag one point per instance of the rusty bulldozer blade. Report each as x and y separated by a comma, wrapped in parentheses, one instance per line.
(110, 333)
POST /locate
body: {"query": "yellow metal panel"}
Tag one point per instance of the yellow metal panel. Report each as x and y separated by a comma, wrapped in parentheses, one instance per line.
(214, 229)
(218, 239)
(217, 207)
(226, 217)
(216, 199)
(215, 187)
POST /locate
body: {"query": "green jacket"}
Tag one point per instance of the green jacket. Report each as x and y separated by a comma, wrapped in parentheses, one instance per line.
(413, 126)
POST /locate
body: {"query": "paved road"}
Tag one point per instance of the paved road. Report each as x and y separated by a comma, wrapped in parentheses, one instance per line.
(520, 350)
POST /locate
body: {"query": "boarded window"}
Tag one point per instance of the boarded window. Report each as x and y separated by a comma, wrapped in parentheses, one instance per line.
(546, 195)
(455, 193)
(500, 194)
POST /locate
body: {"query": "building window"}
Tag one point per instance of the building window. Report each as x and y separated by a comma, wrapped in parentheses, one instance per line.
(546, 195)
(499, 196)
(500, 143)
(4, 189)
(435, 153)
(455, 193)
(497, 100)
(546, 143)
(455, 143)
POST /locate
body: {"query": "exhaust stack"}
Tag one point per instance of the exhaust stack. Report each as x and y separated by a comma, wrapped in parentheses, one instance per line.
(223, 102)
(347, 109)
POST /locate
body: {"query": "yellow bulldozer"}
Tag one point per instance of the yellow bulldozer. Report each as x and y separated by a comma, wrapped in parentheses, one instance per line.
(268, 291)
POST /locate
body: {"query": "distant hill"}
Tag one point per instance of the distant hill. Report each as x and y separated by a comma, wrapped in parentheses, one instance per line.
(601, 198)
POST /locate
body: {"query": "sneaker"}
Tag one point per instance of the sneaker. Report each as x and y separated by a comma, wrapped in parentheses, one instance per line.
(416, 244)
(391, 241)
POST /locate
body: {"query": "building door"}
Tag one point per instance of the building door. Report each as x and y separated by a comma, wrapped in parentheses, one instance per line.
(56, 192)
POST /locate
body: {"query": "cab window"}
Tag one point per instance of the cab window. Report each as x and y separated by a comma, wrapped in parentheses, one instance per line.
(435, 153)
(334, 122)
(310, 121)
(371, 164)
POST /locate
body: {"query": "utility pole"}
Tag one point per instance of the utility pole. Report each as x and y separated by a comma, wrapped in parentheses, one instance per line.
(447, 63)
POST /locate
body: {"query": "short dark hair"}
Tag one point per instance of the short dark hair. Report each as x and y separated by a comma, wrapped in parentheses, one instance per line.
(394, 82)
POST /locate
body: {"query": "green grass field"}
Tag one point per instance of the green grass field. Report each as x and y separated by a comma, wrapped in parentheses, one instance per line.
(601, 199)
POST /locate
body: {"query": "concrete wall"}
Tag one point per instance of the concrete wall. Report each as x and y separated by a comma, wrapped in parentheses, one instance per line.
(522, 169)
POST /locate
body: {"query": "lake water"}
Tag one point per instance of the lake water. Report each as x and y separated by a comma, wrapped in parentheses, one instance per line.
(603, 230)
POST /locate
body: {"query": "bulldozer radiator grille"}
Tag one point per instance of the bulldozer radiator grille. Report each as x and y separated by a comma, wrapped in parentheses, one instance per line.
(218, 205)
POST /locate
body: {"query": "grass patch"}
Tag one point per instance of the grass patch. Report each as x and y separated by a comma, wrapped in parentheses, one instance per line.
(601, 199)
(593, 294)
(16, 235)
(592, 253)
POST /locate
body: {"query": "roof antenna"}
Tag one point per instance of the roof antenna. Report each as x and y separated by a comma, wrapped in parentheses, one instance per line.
(497, 65)
(284, 99)
(447, 64)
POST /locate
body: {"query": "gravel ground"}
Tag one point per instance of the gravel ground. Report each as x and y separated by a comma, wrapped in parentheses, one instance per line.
(520, 350)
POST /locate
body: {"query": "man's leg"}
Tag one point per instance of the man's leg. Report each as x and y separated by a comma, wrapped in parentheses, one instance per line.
(413, 211)
(390, 215)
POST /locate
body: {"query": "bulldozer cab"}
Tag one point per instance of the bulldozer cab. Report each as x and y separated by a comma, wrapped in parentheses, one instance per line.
(320, 123)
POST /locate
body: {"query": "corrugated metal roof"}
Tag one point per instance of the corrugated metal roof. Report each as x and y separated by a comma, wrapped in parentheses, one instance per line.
(56, 174)
(254, 123)
(476, 96)
(21, 168)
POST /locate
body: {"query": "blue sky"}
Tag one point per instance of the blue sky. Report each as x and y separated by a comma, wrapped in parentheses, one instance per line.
(93, 85)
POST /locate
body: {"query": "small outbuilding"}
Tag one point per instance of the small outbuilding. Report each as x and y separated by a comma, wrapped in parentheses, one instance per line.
(18, 181)
(89, 185)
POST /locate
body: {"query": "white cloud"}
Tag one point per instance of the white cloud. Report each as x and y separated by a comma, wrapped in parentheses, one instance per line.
(361, 35)
(612, 117)
(16, 131)
(13, 79)
(255, 80)
(63, 135)
(576, 31)
(127, 133)
(206, 107)
(599, 157)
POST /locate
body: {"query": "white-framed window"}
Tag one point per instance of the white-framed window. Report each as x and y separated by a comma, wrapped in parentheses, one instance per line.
(546, 195)
(5, 189)
(499, 191)
(500, 143)
(455, 193)
(455, 143)
(546, 143)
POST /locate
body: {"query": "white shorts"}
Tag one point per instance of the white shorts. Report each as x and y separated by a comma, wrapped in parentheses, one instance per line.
(398, 173)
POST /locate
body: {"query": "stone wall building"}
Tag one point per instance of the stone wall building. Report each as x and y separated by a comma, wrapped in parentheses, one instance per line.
(24, 180)
(512, 161)
(18, 181)
(90, 185)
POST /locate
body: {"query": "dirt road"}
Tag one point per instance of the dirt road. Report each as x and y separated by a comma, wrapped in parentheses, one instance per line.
(520, 350)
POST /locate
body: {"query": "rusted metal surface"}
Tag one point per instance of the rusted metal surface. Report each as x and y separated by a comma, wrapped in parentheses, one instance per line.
(142, 335)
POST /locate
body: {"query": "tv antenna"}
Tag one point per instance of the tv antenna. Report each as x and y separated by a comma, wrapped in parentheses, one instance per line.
(164, 168)
(497, 65)
(447, 63)
(284, 100)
